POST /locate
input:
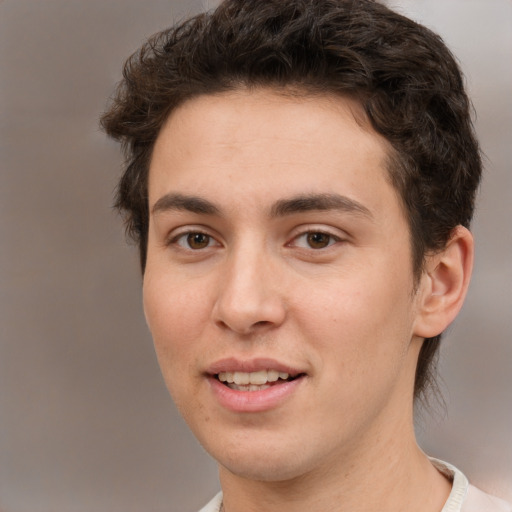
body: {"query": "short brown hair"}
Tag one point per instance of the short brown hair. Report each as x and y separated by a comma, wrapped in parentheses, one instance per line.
(401, 73)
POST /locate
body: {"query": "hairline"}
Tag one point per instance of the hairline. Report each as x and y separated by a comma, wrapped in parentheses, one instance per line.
(393, 163)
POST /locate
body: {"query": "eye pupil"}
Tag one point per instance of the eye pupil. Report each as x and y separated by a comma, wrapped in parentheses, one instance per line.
(318, 240)
(198, 240)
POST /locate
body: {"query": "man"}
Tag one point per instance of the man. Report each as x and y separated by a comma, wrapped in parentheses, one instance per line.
(300, 180)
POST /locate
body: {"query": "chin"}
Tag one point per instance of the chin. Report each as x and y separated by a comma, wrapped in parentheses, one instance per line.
(262, 470)
(265, 461)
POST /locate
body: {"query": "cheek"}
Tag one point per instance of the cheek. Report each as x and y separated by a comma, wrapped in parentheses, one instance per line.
(363, 320)
(172, 307)
(176, 317)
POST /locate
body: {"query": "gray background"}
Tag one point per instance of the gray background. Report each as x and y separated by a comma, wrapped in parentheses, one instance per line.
(85, 420)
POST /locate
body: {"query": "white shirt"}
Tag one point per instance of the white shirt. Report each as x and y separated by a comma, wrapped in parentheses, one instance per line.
(463, 496)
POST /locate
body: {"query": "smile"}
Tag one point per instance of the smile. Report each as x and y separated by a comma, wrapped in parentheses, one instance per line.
(252, 381)
(256, 385)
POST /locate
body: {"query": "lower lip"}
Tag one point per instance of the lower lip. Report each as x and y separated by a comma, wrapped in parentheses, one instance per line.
(253, 401)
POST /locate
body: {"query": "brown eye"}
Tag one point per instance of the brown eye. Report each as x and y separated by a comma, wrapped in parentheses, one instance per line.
(317, 240)
(198, 240)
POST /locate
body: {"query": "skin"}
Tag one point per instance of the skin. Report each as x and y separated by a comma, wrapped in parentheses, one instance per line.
(241, 272)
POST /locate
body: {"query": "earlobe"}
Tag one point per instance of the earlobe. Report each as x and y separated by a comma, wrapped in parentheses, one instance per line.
(444, 284)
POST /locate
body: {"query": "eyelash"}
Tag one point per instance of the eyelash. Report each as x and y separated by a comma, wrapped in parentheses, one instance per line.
(186, 236)
(331, 239)
(183, 240)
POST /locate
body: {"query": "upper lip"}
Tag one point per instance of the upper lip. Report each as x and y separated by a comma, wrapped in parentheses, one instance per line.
(232, 364)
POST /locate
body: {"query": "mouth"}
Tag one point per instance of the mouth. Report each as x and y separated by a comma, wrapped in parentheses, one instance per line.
(254, 386)
(254, 381)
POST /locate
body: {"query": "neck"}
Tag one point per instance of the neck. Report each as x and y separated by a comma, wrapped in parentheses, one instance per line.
(389, 473)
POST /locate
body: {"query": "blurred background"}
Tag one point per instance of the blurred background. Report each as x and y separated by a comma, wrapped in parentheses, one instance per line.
(85, 420)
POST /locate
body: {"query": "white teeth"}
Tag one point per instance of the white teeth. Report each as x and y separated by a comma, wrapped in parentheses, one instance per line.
(250, 387)
(252, 379)
(257, 378)
(273, 375)
(241, 378)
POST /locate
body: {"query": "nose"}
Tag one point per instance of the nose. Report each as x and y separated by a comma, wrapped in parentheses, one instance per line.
(249, 299)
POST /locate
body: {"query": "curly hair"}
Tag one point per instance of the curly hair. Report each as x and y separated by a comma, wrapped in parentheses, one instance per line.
(401, 73)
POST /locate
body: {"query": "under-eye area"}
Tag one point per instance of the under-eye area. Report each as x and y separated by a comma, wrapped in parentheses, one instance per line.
(255, 381)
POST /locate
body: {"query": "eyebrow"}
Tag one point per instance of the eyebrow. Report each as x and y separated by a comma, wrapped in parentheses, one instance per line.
(180, 202)
(318, 202)
(281, 208)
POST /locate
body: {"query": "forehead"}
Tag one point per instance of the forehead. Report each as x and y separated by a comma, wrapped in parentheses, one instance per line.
(264, 145)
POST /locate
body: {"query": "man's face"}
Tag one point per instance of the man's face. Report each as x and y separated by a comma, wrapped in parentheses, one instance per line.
(279, 257)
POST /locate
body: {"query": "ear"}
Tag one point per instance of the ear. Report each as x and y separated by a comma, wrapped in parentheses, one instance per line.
(444, 283)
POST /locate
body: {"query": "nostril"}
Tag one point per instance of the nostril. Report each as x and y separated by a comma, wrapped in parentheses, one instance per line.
(247, 314)
(262, 323)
